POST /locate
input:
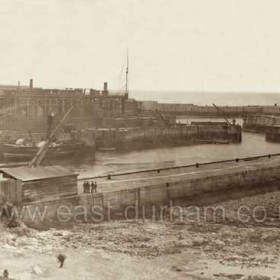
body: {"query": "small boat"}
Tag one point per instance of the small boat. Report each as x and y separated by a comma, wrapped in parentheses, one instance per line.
(27, 152)
(106, 149)
(222, 142)
(249, 130)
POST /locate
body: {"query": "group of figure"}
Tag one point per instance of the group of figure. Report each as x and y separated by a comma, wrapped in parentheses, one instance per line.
(90, 187)
(61, 259)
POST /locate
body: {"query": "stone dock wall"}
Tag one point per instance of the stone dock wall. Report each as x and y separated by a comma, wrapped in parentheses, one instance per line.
(103, 206)
(151, 137)
(260, 123)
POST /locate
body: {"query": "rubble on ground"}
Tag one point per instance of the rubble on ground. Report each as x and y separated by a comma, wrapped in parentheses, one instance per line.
(230, 242)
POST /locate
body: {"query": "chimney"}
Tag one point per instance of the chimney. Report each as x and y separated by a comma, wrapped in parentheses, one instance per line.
(105, 87)
(31, 83)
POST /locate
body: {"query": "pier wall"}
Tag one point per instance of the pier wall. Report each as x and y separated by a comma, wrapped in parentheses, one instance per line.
(151, 133)
(260, 123)
(103, 206)
(44, 214)
(208, 110)
(168, 136)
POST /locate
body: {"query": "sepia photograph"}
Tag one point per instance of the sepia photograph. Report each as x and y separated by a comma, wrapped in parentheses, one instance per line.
(140, 139)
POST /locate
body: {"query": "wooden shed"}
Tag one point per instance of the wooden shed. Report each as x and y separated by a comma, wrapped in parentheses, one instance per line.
(44, 182)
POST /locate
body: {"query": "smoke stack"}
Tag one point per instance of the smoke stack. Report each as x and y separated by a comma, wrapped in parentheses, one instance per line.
(105, 89)
(31, 83)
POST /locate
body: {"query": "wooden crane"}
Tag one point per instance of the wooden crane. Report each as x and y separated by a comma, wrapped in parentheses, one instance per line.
(222, 114)
(43, 150)
(160, 116)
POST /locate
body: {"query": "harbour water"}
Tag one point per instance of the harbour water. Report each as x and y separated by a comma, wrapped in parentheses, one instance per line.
(252, 145)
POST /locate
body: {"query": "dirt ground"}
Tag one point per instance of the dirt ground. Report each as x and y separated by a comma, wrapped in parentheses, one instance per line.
(87, 265)
(173, 248)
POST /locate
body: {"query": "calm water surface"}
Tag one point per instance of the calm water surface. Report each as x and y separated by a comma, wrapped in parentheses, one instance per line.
(252, 145)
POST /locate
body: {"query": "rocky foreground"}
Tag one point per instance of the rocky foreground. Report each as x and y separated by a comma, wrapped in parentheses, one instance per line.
(184, 245)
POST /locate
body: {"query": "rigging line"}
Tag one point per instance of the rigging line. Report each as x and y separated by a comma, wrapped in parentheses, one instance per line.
(120, 76)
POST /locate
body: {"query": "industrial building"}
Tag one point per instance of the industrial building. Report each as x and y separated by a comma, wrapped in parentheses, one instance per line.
(28, 107)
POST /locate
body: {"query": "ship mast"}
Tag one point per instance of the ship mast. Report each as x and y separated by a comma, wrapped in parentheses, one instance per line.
(126, 76)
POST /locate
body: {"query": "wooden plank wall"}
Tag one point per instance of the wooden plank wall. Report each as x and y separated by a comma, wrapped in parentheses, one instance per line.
(10, 191)
(50, 189)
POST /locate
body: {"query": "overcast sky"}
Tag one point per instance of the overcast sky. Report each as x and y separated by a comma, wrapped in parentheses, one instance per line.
(212, 45)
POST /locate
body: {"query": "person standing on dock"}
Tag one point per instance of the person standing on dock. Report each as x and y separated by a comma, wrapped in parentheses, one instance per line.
(84, 186)
(92, 185)
(87, 187)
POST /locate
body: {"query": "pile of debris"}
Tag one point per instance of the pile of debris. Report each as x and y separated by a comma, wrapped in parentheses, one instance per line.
(229, 242)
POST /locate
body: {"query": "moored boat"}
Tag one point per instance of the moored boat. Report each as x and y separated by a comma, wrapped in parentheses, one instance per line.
(107, 149)
(15, 151)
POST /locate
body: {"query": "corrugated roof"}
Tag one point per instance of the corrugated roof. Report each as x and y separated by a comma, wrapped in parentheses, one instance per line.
(24, 173)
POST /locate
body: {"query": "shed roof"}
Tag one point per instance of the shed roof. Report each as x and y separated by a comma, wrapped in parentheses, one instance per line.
(24, 173)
